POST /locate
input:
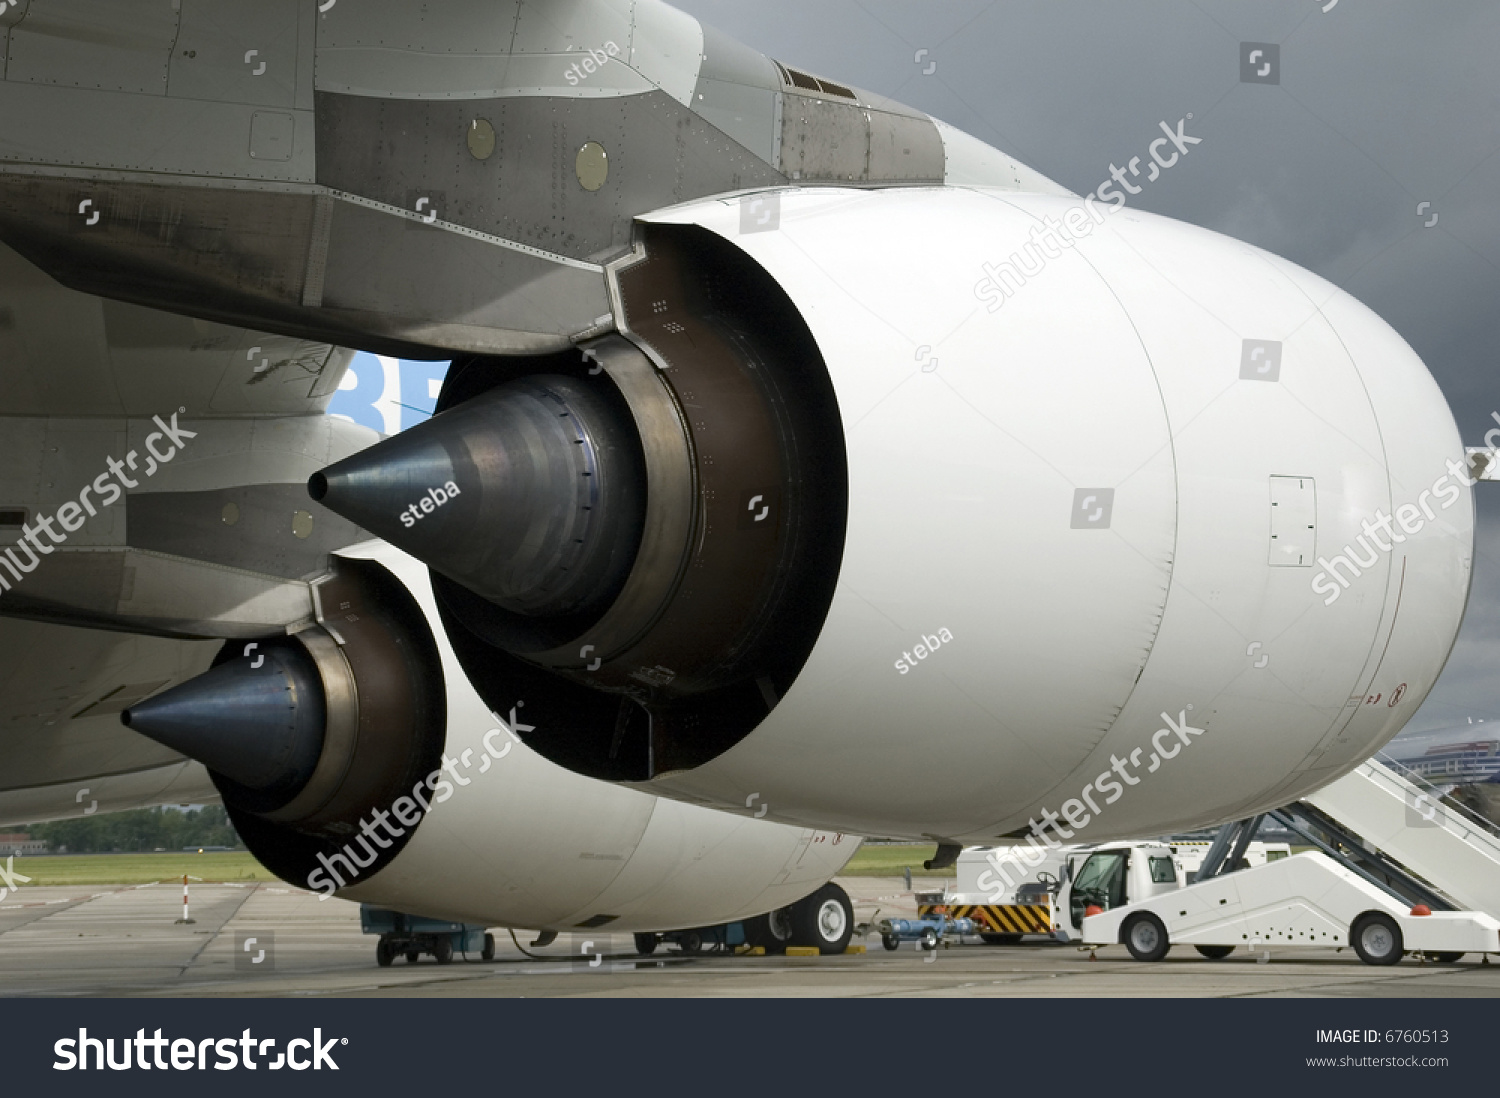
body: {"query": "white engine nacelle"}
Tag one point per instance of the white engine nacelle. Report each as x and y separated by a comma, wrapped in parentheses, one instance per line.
(1189, 524)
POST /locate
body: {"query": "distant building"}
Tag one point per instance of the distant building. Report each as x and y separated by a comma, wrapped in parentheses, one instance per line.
(19, 843)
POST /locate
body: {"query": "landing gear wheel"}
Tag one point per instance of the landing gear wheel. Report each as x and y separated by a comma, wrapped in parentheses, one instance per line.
(1145, 937)
(488, 952)
(443, 951)
(929, 939)
(1445, 958)
(825, 919)
(384, 954)
(772, 931)
(690, 942)
(645, 944)
(1376, 938)
(1215, 953)
(998, 939)
(891, 942)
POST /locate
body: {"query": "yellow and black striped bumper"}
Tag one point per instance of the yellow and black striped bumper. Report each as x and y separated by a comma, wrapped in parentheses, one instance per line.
(997, 918)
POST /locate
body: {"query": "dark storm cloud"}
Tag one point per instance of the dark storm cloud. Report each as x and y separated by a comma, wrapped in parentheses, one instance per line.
(1382, 105)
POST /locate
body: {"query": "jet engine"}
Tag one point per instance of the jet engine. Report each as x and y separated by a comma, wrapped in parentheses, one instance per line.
(928, 511)
(305, 735)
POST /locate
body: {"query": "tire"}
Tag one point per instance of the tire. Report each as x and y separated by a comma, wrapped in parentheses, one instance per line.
(929, 939)
(772, 931)
(999, 939)
(645, 944)
(891, 942)
(1376, 938)
(1445, 958)
(1215, 953)
(1145, 937)
(384, 954)
(690, 942)
(825, 920)
(488, 952)
(442, 949)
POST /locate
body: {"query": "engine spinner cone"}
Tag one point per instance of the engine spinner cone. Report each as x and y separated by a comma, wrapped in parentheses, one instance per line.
(258, 720)
(531, 495)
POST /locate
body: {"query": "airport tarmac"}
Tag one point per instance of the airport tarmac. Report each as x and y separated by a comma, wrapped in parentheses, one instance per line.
(123, 941)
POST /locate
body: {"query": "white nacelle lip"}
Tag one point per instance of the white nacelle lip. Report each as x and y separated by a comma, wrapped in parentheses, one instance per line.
(1117, 365)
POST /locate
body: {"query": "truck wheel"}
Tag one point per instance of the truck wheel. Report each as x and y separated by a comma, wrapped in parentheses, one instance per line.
(772, 931)
(891, 942)
(488, 952)
(690, 942)
(645, 944)
(1215, 953)
(442, 949)
(1145, 937)
(825, 919)
(384, 954)
(1376, 938)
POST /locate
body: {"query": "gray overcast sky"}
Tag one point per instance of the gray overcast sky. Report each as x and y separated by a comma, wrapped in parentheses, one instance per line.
(1381, 105)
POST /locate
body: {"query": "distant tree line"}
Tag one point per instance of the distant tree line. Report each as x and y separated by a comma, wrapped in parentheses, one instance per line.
(140, 829)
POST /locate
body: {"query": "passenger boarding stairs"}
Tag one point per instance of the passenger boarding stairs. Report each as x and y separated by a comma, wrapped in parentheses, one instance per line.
(1395, 831)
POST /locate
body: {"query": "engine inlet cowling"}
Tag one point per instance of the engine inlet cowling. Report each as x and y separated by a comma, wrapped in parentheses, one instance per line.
(307, 736)
(643, 533)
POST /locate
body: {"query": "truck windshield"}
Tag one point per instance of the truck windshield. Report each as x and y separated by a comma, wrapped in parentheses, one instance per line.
(1101, 881)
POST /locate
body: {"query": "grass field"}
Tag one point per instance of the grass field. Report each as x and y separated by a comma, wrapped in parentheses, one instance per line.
(891, 860)
(107, 869)
(101, 869)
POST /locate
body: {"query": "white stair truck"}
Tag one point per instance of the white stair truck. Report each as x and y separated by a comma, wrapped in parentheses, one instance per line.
(1305, 900)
